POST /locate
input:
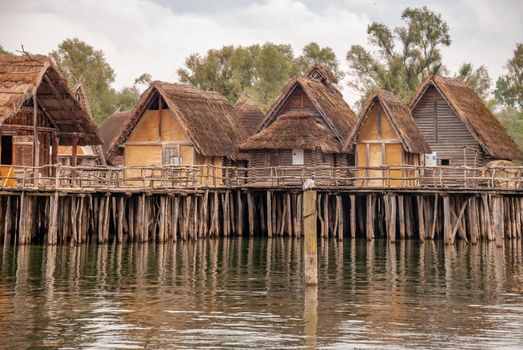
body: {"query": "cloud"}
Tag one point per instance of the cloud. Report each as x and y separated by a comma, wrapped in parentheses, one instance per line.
(140, 36)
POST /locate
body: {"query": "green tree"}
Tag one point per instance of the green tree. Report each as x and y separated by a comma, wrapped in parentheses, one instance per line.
(477, 79)
(258, 70)
(81, 63)
(406, 54)
(313, 54)
(509, 87)
(4, 51)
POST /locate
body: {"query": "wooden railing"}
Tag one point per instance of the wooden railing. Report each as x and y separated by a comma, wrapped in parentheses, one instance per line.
(89, 178)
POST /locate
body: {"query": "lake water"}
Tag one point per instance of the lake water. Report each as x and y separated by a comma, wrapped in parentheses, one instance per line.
(249, 293)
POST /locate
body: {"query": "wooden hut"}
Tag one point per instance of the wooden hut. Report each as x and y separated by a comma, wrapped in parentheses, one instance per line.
(458, 126)
(310, 108)
(177, 124)
(386, 136)
(88, 154)
(38, 112)
(250, 116)
(109, 131)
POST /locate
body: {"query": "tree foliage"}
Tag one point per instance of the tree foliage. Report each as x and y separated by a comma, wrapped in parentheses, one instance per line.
(81, 63)
(258, 70)
(478, 79)
(509, 87)
(405, 56)
(4, 51)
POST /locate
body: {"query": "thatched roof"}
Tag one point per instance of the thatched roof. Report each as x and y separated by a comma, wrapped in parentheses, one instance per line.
(250, 116)
(478, 118)
(400, 118)
(298, 129)
(79, 92)
(325, 97)
(319, 71)
(208, 119)
(20, 76)
(113, 127)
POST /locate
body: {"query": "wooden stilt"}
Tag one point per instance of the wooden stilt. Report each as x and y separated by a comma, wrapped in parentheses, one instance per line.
(310, 235)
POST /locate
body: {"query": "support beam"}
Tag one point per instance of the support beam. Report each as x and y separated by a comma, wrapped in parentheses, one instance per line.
(310, 237)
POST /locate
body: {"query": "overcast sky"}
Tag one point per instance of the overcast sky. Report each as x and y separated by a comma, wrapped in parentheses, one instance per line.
(155, 36)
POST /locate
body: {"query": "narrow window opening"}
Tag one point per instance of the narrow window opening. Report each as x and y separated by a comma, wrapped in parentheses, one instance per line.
(444, 161)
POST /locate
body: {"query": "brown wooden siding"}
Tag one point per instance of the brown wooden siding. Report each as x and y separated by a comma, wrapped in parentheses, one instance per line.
(298, 100)
(446, 134)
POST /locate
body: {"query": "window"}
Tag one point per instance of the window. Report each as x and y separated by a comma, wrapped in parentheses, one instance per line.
(297, 157)
(171, 155)
(444, 161)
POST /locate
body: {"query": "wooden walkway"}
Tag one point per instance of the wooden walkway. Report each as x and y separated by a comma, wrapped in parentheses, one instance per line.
(184, 178)
(65, 205)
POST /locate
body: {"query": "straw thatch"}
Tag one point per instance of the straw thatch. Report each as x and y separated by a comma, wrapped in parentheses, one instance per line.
(327, 100)
(21, 76)
(79, 92)
(320, 72)
(400, 118)
(485, 128)
(250, 116)
(297, 129)
(208, 119)
(113, 127)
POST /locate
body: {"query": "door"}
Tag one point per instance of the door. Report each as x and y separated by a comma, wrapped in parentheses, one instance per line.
(375, 159)
(6, 159)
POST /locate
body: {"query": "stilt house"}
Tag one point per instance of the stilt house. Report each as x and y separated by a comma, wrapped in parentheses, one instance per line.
(177, 124)
(386, 140)
(38, 112)
(86, 155)
(458, 126)
(111, 129)
(306, 126)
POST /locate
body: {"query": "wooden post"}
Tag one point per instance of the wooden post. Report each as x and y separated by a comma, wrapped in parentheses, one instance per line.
(497, 220)
(401, 216)
(310, 237)
(352, 216)
(421, 218)
(391, 225)
(53, 220)
(36, 146)
(447, 224)
(370, 217)
(269, 214)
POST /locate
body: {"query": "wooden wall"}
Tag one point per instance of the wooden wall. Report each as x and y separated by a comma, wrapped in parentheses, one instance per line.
(297, 101)
(20, 128)
(444, 131)
(156, 130)
(378, 145)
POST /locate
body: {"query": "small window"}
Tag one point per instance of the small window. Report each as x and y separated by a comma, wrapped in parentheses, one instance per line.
(171, 155)
(297, 157)
(444, 161)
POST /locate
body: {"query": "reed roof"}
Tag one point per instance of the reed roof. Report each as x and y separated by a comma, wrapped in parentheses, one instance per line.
(208, 119)
(478, 118)
(400, 118)
(22, 76)
(296, 129)
(319, 71)
(250, 116)
(327, 100)
(113, 127)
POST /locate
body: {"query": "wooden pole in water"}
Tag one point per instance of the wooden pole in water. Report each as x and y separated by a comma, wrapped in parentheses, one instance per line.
(310, 237)
(447, 224)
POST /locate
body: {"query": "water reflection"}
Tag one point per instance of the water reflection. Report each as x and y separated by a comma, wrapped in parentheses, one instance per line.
(249, 292)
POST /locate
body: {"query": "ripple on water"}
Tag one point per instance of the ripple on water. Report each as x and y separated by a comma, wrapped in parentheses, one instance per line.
(236, 293)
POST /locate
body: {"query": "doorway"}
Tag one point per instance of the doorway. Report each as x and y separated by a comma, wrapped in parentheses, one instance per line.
(7, 150)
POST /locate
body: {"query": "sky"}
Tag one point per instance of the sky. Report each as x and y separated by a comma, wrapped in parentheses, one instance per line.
(155, 36)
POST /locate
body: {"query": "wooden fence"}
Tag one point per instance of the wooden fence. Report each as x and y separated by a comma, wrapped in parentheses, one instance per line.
(95, 178)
